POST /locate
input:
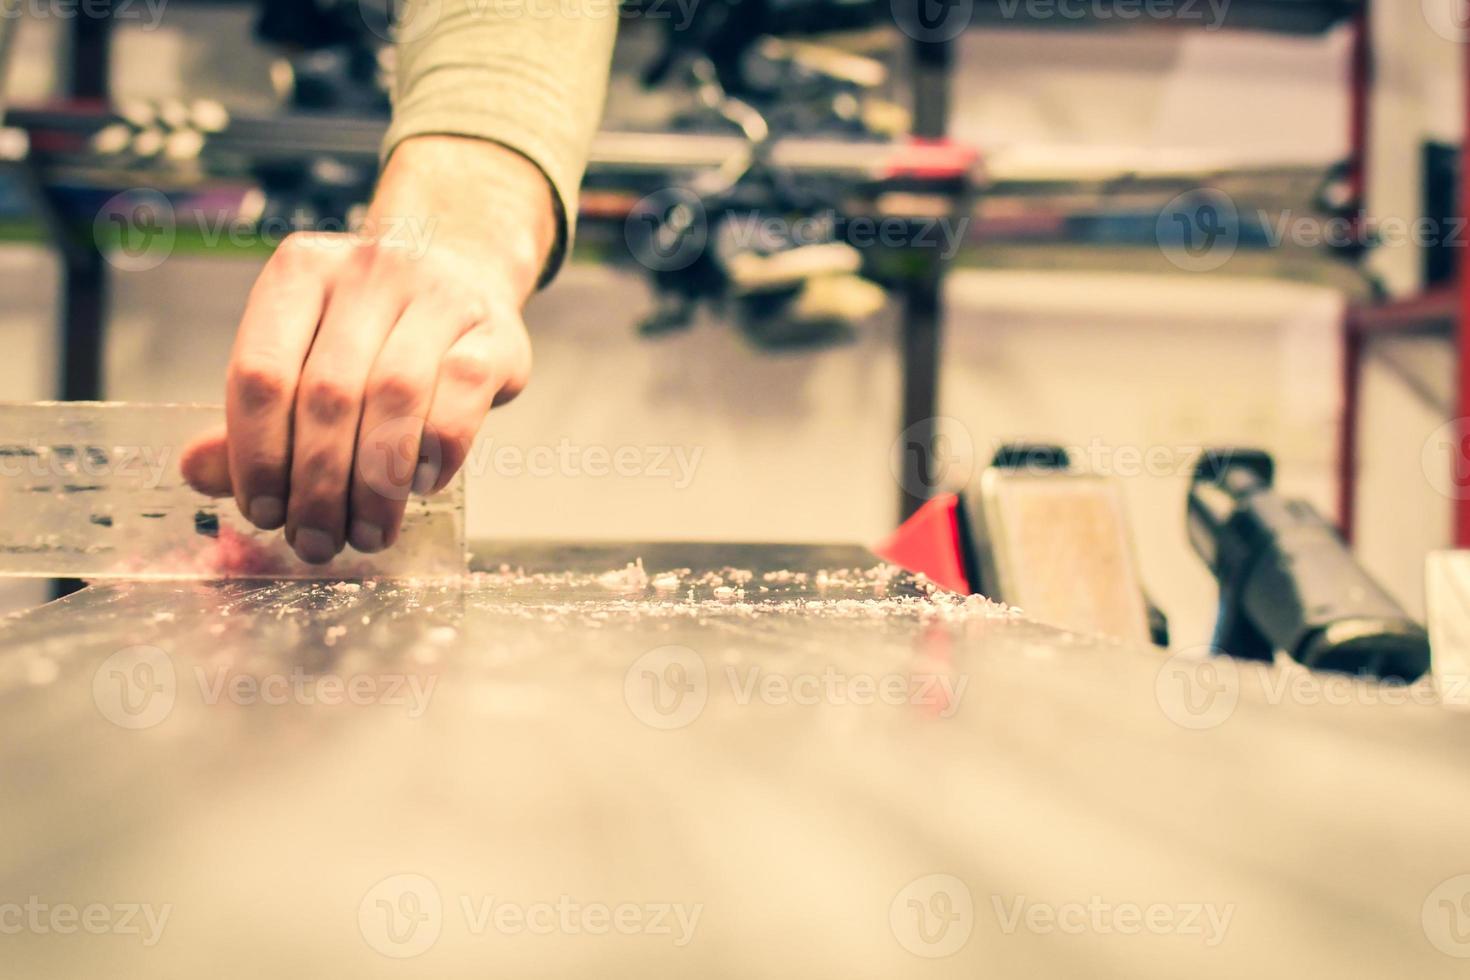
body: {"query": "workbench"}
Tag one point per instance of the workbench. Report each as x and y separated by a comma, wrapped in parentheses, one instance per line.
(733, 761)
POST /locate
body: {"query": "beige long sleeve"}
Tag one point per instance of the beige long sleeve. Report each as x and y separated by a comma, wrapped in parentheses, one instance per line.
(528, 74)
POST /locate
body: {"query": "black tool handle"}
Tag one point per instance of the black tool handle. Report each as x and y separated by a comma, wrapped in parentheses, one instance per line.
(1289, 582)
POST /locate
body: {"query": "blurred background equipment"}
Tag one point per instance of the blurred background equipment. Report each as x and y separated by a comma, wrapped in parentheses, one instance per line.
(1287, 581)
(767, 241)
(1055, 541)
(1041, 535)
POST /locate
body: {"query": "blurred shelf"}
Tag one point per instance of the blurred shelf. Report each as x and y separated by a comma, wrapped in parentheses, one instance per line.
(1275, 16)
(1105, 199)
(63, 134)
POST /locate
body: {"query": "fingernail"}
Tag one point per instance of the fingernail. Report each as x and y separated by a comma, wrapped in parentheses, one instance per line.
(366, 537)
(267, 513)
(315, 547)
(424, 477)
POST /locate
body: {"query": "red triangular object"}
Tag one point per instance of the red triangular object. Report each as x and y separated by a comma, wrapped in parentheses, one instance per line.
(929, 543)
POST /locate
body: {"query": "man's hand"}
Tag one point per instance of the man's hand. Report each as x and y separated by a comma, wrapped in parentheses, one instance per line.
(365, 363)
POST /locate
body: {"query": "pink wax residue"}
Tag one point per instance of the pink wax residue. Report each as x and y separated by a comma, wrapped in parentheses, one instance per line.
(224, 554)
(233, 555)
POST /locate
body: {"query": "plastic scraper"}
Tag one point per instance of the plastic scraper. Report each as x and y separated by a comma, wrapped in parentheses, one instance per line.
(92, 490)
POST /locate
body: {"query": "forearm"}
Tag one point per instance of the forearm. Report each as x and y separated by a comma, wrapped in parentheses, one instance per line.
(491, 201)
(512, 73)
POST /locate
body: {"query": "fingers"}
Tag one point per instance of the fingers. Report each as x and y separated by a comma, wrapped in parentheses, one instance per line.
(488, 365)
(329, 410)
(396, 400)
(275, 334)
(205, 465)
(359, 375)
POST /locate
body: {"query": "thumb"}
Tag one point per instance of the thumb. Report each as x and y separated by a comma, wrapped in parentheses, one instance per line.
(205, 464)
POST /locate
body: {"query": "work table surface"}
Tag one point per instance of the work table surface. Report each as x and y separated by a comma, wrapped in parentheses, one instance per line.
(735, 760)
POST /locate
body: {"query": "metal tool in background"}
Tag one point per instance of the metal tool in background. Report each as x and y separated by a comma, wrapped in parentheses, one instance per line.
(92, 490)
(333, 59)
(760, 242)
(1041, 535)
(1287, 580)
